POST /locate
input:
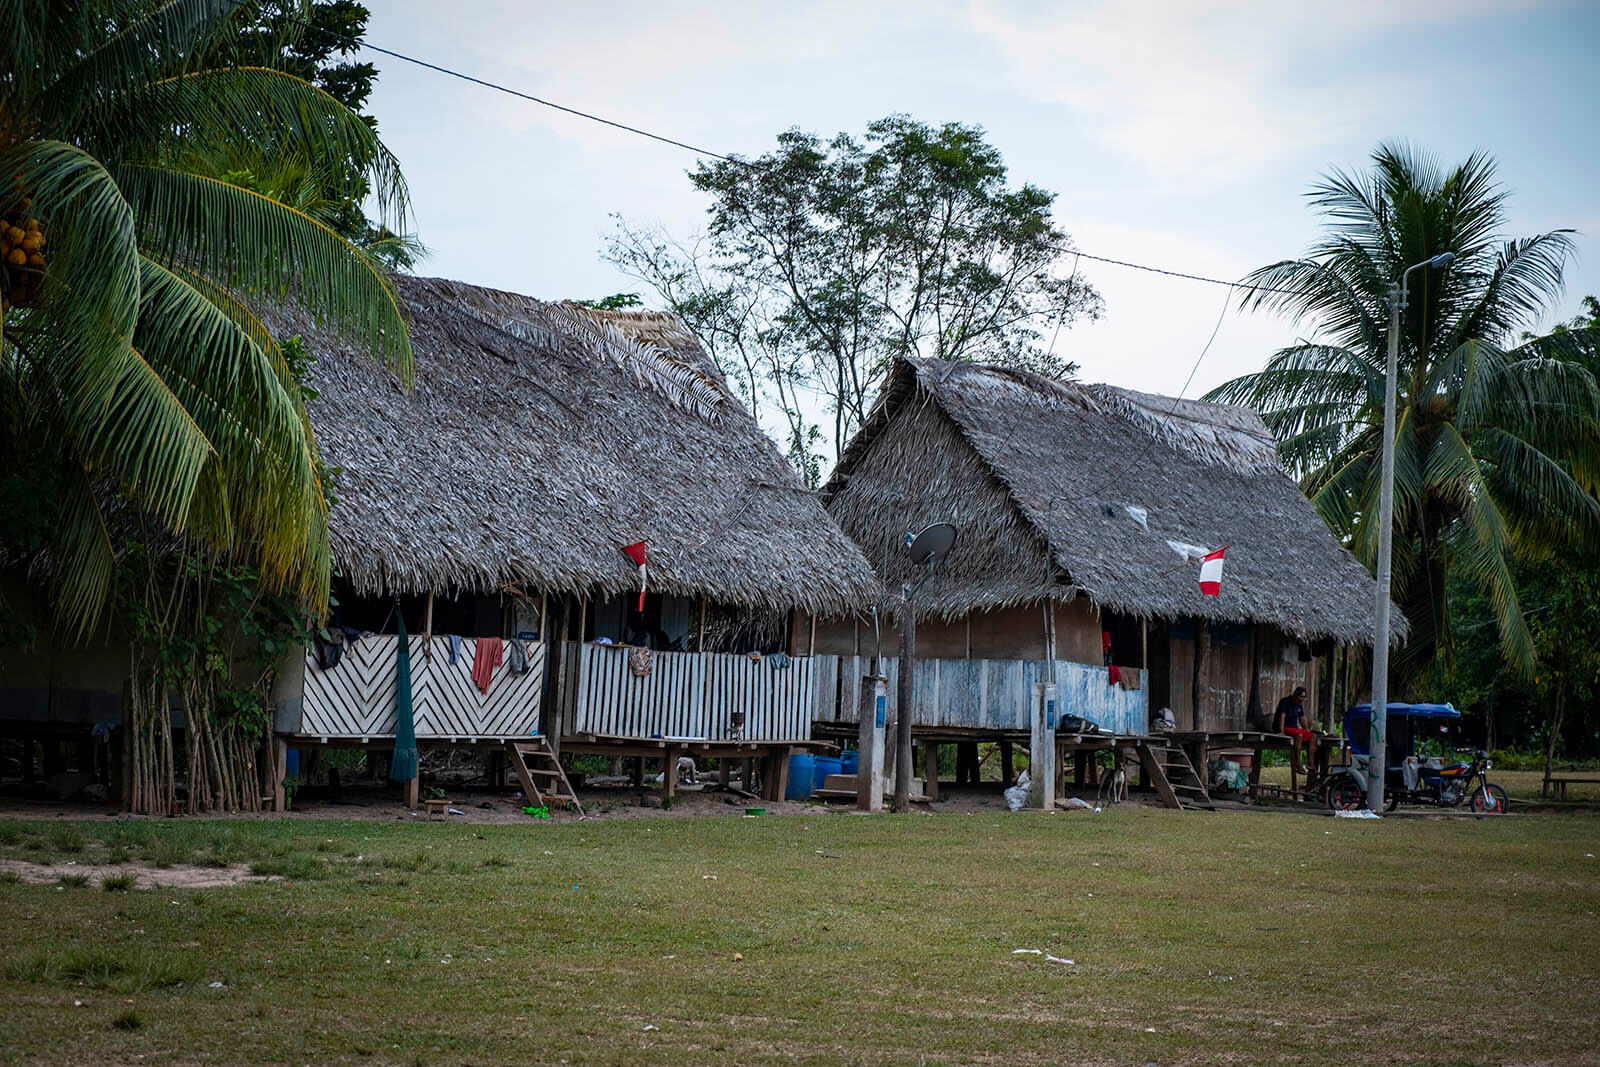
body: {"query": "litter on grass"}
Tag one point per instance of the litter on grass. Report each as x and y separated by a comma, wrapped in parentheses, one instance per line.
(1364, 813)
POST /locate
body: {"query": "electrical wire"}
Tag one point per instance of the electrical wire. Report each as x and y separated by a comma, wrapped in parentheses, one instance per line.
(1170, 412)
(359, 42)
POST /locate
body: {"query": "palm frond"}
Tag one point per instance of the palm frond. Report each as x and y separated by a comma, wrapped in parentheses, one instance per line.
(124, 56)
(246, 241)
(267, 502)
(268, 112)
(1527, 278)
(83, 563)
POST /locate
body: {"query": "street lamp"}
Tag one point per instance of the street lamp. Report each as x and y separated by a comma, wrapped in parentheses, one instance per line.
(1378, 760)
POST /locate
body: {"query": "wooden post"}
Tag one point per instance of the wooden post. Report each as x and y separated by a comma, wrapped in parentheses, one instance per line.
(724, 771)
(669, 774)
(930, 769)
(544, 617)
(700, 634)
(638, 771)
(904, 714)
(968, 618)
(811, 642)
(413, 790)
(280, 767)
(1144, 649)
(583, 616)
(746, 777)
(427, 630)
(1006, 768)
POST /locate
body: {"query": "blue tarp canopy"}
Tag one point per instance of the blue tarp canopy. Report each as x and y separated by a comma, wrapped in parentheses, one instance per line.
(1419, 711)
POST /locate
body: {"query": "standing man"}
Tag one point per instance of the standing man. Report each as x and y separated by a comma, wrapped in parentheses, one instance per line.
(1290, 718)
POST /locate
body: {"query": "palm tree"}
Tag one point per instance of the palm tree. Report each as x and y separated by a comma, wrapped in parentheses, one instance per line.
(134, 376)
(1496, 444)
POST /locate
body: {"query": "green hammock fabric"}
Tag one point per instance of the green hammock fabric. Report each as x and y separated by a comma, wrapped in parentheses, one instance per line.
(403, 765)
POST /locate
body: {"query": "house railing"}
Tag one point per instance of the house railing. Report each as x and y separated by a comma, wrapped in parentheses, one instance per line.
(690, 696)
(993, 694)
(356, 697)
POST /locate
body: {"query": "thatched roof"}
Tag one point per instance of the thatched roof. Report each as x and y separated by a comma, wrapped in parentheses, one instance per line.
(539, 439)
(1061, 489)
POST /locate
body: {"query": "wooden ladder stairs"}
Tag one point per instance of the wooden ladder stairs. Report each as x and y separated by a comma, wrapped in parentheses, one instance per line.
(543, 781)
(1169, 770)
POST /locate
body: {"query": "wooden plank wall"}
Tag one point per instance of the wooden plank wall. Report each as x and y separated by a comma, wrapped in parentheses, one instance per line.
(356, 699)
(992, 694)
(692, 695)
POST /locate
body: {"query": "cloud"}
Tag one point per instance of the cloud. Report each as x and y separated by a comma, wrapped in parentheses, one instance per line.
(1203, 93)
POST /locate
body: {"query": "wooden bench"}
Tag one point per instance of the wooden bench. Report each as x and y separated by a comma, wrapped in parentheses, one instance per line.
(1559, 792)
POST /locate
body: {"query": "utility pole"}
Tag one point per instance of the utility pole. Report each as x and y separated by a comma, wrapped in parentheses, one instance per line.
(1378, 761)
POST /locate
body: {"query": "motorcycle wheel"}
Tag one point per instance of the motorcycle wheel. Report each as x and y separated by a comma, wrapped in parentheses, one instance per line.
(1496, 803)
(1345, 795)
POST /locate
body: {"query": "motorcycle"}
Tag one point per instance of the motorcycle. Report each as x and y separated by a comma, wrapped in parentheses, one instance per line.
(1411, 779)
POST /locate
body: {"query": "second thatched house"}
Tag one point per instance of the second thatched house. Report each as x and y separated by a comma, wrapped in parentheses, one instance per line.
(1081, 512)
(490, 508)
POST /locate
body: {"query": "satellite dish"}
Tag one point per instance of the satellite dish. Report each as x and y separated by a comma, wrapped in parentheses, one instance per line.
(931, 543)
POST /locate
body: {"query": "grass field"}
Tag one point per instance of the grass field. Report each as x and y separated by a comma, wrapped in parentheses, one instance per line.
(1194, 938)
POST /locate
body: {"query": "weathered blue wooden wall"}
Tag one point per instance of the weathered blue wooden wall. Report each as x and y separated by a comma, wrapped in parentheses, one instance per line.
(992, 694)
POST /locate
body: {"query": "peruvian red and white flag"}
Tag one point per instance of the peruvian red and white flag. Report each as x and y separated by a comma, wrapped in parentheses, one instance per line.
(1211, 572)
(635, 552)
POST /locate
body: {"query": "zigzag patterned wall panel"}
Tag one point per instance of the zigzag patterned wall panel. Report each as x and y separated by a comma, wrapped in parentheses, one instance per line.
(356, 698)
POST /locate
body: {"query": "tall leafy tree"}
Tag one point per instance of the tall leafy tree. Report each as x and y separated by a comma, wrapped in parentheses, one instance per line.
(854, 251)
(1497, 445)
(135, 381)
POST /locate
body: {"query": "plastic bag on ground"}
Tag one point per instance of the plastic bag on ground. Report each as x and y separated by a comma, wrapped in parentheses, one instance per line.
(1017, 795)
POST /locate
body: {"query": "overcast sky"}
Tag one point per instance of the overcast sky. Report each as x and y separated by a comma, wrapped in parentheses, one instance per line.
(1181, 135)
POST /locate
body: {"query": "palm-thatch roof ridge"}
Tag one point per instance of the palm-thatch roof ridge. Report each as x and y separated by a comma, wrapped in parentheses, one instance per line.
(1103, 488)
(539, 439)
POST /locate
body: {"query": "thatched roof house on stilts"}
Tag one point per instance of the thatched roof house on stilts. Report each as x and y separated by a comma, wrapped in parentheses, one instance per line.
(492, 503)
(1081, 510)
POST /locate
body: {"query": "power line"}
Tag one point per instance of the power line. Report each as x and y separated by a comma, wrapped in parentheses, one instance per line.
(358, 42)
(1150, 443)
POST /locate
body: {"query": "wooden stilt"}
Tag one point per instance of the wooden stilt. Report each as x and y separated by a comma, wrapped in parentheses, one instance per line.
(413, 790)
(1080, 767)
(638, 771)
(1007, 771)
(930, 769)
(700, 634)
(280, 767)
(669, 773)
(746, 775)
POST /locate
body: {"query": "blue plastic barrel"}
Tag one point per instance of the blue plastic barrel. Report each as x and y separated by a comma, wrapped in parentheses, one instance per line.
(802, 767)
(850, 760)
(826, 765)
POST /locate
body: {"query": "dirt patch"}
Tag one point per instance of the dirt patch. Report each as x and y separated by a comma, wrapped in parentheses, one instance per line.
(178, 876)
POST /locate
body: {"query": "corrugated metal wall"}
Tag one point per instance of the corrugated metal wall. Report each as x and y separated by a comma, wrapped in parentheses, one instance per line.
(692, 695)
(992, 694)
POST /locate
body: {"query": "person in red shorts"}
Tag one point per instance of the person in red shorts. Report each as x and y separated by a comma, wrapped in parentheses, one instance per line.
(1291, 719)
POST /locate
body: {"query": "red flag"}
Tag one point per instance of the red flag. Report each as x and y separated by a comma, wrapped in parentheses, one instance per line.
(635, 552)
(1211, 573)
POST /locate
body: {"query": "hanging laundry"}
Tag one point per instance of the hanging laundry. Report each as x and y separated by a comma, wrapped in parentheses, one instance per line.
(328, 651)
(516, 657)
(639, 661)
(779, 661)
(455, 649)
(1132, 678)
(485, 659)
(1113, 674)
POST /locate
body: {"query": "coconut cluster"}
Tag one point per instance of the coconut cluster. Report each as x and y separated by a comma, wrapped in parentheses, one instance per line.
(22, 243)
